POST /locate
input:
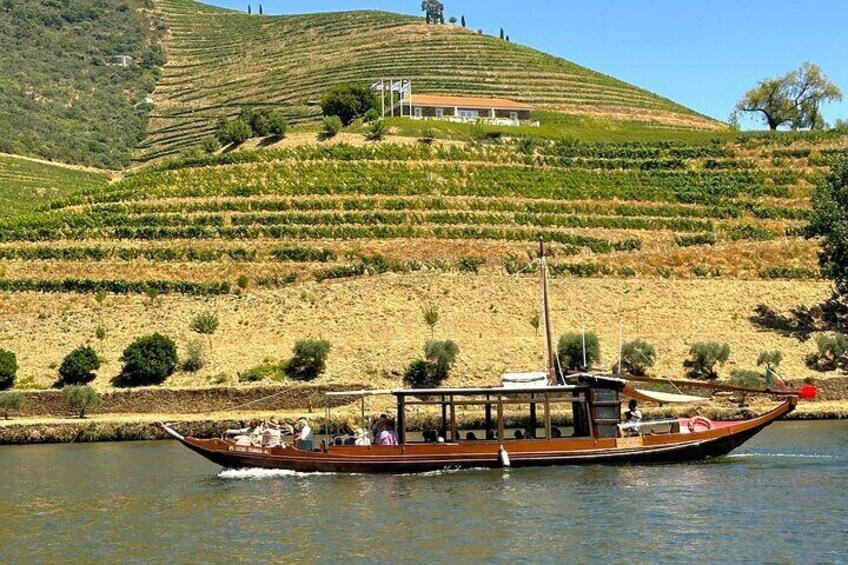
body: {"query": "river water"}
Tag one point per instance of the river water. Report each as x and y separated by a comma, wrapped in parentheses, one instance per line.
(783, 498)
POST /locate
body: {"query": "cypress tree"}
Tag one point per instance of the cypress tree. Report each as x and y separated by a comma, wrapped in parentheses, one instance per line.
(260, 9)
(502, 34)
(248, 9)
(463, 21)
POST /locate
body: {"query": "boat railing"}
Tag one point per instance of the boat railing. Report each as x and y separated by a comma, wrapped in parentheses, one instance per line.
(651, 427)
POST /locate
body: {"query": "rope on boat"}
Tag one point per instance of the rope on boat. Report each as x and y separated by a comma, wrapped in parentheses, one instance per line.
(257, 401)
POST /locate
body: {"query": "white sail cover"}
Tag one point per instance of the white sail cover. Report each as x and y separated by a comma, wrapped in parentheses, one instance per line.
(523, 380)
(661, 397)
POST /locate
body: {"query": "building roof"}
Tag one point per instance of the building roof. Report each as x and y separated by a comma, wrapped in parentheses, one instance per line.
(467, 102)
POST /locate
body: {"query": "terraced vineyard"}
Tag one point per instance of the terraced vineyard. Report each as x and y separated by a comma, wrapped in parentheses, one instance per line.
(26, 184)
(219, 61)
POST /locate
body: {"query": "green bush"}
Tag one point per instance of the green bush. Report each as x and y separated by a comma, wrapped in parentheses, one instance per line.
(431, 372)
(81, 399)
(210, 145)
(10, 401)
(309, 360)
(331, 126)
(773, 358)
(195, 359)
(206, 324)
(79, 367)
(148, 361)
(832, 353)
(470, 264)
(234, 132)
(371, 115)
(637, 357)
(265, 371)
(348, 102)
(570, 350)
(278, 125)
(745, 378)
(703, 360)
(378, 130)
(8, 369)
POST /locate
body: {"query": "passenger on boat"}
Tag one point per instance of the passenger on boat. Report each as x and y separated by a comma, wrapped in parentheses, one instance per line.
(388, 436)
(379, 426)
(556, 432)
(362, 438)
(272, 436)
(249, 436)
(632, 418)
(470, 436)
(305, 439)
(518, 434)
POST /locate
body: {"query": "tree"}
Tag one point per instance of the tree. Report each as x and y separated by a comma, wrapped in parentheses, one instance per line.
(331, 127)
(348, 102)
(503, 36)
(81, 399)
(79, 367)
(430, 372)
(8, 369)
(260, 9)
(309, 359)
(205, 324)
(194, 359)
(452, 20)
(435, 11)
(570, 350)
(278, 125)
(829, 221)
(770, 358)
(463, 21)
(637, 357)
(11, 401)
(148, 361)
(100, 334)
(703, 360)
(431, 317)
(248, 9)
(371, 115)
(794, 98)
(233, 132)
(210, 145)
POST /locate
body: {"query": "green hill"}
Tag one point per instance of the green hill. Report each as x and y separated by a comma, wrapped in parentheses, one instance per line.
(219, 61)
(60, 98)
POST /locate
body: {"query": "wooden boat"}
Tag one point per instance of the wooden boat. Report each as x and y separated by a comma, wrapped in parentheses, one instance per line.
(598, 435)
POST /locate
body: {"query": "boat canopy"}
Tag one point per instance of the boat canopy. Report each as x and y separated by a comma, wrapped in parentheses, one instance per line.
(661, 397)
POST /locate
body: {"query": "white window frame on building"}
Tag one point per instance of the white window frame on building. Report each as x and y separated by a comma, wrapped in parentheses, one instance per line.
(440, 113)
(469, 114)
(419, 112)
(513, 116)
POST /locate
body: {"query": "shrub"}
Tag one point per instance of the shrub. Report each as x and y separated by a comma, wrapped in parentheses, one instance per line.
(148, 361)
(428, 136)
(205, 324)
(570, 350)
(478, 132)
(637, 357)
(194, 359)
(703, 359)
(331, 127)
(81, 399)
(8, 369)
(348, 102)
(430, 372)
(371, 115)
(234, 132)
(832, 353)
(470, 264)
(79, 367)
(377, 131)
(748, 379)
(309, 360)
(10, 401)
(210, 145)
(278, 125)
(261, 373)
(431, 317)
(243, 282)
(773, 358)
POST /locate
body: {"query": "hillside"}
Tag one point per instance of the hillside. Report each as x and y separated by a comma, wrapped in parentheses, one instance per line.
(344, 239)
(60, 98)
(219, 61)
(28, 184)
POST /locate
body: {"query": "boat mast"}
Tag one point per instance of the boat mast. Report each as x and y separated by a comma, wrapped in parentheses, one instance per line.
(546, 314)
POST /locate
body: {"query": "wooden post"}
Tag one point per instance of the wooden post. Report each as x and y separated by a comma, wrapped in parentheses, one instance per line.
(532, 415)
(453, 420)
(547, 416)
(488, 410)
(364, 427)
(546, 314)
(500, 418)
(401, 420)
(444, 430)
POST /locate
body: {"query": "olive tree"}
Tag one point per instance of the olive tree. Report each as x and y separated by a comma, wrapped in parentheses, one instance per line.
(205, 324)
(703, 358)
(10, 401)
(81, 399)
(434, 10)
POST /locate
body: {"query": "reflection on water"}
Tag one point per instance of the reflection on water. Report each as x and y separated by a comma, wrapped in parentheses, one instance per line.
(781, 499)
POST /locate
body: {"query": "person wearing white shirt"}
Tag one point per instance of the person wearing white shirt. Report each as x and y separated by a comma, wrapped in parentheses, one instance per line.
(305, 439)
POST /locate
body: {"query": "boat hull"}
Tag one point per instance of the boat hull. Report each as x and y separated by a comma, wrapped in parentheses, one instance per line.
(413, 458)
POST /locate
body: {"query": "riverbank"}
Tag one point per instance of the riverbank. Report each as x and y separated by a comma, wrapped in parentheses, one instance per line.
(145, 427)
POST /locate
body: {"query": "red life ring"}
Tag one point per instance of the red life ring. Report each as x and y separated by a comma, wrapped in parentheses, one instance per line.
(694, 422)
